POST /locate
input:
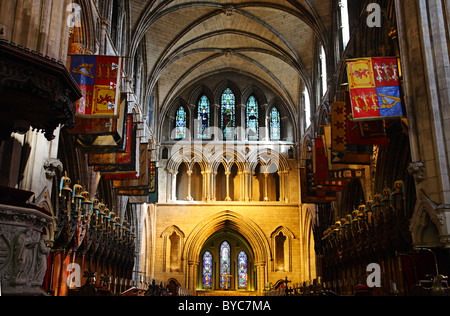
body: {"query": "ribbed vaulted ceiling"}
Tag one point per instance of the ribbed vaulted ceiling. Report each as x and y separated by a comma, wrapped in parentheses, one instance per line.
(271, 40)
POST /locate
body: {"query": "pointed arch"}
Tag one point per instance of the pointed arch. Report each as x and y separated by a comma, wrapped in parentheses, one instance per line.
(268, 157)
(188, 155)
(228, 157)
(173, 240)
(426, 221)
(228, 219)
(282, 246)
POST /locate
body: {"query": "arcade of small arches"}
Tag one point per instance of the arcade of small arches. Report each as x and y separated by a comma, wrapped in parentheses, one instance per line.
(215, 174)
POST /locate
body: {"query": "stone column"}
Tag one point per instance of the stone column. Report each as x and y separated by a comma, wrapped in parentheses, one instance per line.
(261, 276)
(266, 187)
(282, 188)
(173, 192)
(207, 181)
(191, 277)
(423, 27)
(247, 194)
(228, 198)
(213, 186)
(189, 197)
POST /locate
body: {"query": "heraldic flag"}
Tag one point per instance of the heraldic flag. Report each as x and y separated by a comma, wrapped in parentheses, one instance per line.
(99, 79)
(374, 88)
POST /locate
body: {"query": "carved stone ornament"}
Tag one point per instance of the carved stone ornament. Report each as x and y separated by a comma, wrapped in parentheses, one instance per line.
(51, 167)
(229, 10)
(23, 250)
(417, 169)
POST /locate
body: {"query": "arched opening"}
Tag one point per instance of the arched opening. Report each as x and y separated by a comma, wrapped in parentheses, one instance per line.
(273, 184)
(182, 183)
(227, 263)
(221, 183)
(280, 241)
(258, 184)
(266, 184)
(175, 246)
(235, 185)
(197, 183)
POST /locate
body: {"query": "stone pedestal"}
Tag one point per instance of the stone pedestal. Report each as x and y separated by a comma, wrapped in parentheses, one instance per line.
(23, 249)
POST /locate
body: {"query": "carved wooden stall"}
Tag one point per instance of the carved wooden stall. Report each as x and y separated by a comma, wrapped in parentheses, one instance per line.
(95, 238)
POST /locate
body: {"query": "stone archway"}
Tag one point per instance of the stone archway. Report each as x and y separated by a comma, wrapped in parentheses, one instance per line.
(236, 246)
(251, 232)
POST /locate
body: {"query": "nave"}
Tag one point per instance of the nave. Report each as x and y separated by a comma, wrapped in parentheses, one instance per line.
(224, 148)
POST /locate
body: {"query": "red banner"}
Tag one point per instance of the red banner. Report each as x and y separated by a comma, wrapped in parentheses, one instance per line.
(374, 88)
(99, 79)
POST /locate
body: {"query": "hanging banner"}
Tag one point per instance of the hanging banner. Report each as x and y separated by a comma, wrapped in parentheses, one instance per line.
(312, 193)
(99, 79)
(143, 176)
(374, 88)
(343, 152)
(321, 162)
(121, 164)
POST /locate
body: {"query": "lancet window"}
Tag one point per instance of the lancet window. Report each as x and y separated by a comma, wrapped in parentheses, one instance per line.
(275, 124)
(204, 117)
(242, 270)
(252, 119)
(228, 113)
(225, 265)
(207, 270)
(181, 123)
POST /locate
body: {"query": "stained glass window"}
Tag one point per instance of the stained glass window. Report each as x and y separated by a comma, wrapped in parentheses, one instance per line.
(228, 114)
(242, 270)
(207, 270)
(225, 265)
(203, 117)
(252, 119)
(275, 124)
(180, 123)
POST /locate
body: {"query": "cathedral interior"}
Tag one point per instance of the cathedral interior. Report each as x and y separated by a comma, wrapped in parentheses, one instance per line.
(224, 148)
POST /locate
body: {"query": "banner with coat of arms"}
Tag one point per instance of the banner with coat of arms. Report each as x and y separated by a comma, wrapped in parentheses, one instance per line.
(374, 85)
(99, 79)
